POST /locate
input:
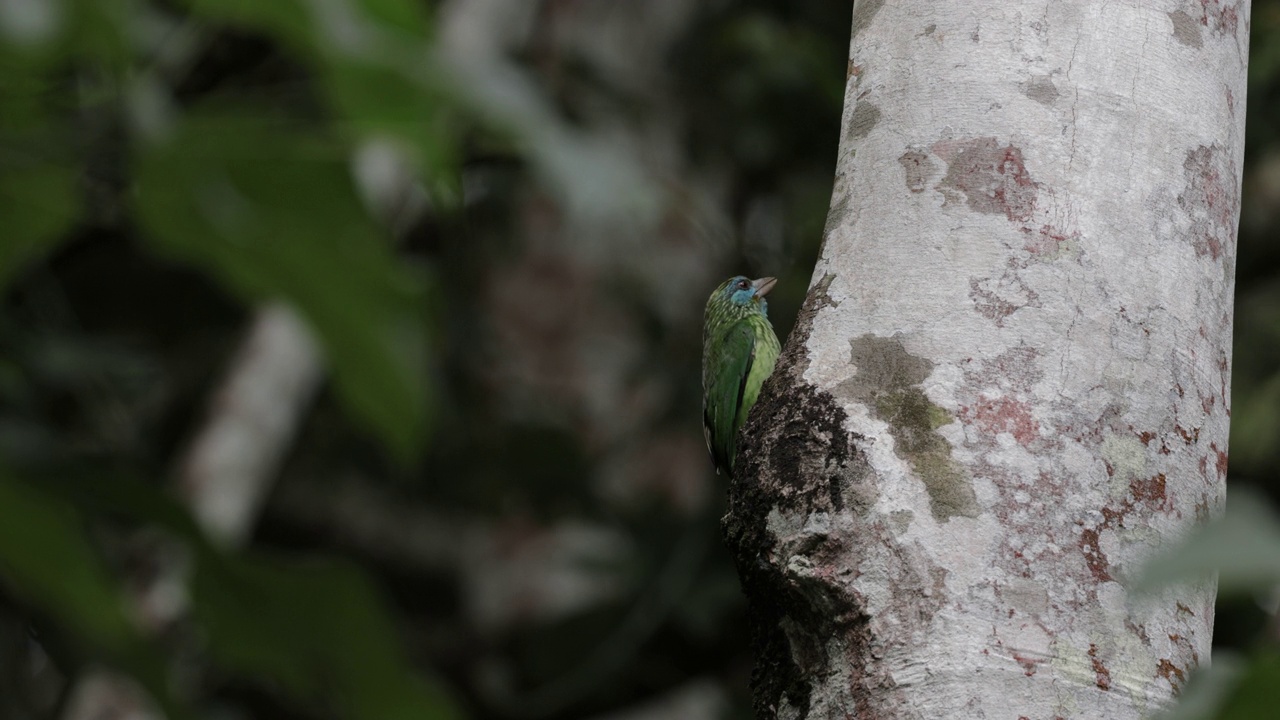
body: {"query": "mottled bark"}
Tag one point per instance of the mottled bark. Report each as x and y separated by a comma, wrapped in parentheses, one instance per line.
(1010, 381)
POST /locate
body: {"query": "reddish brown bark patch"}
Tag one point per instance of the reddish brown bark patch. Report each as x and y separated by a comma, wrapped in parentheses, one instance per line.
(1028, 664)
(1222, 459)
(1093, 555)
(1047, 241)
(1003, 414)
(996, 298)
(992, 178)
(1221, 17)
(1150, 490)
(1102, 676)
(1174, 674)
(1210, 199)
(1189, 437)
(988, 303)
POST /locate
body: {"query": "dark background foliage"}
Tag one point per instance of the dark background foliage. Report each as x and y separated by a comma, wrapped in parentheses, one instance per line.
(500, 222)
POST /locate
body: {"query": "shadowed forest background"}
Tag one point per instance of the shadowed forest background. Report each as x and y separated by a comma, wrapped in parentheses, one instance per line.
(501, 221)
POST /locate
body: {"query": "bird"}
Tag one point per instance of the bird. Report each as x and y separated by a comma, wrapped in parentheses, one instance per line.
(739, 349)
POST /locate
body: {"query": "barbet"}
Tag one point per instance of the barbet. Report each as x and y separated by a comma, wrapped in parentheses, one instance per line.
(739, 350)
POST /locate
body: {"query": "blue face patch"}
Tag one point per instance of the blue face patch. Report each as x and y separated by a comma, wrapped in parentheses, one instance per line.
(739, 290)
(742, 293)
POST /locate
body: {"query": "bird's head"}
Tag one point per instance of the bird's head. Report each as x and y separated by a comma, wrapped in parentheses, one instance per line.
(746, 293)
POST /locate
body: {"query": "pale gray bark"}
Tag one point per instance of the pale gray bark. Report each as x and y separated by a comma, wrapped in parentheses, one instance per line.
(1010, 381)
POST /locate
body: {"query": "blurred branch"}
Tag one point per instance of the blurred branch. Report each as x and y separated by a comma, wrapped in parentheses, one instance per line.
(611, 653)
(102, 695)
(512, 572)
(595, 176)
(697, 700)
(251, 425)
(224, 476)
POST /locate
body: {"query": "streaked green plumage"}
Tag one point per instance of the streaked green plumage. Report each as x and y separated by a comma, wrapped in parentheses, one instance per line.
(739, 350)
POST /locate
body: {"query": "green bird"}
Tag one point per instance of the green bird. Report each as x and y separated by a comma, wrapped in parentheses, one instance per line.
(739, 350)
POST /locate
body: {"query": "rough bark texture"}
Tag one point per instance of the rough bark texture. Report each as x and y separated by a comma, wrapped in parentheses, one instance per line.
(1010, 381)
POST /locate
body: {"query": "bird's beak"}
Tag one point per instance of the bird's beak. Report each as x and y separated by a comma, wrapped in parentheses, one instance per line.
(764, 285)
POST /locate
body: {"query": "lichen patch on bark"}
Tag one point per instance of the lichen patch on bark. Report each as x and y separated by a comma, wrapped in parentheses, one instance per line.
(888, 381)
(1186, 29)
(863, 118)
(1041, 89)
(919, 169)
(863, 12)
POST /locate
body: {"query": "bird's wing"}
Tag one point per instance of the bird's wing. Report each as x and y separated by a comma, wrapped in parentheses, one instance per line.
(728, 370)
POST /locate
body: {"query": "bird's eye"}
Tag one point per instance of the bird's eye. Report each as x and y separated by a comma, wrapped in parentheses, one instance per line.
(743, 284)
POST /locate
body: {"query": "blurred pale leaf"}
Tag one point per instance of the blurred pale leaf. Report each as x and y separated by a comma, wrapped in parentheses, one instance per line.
(1233, 687)
(1209, 688)
(596, 176)
(1242, 546)
(271, 210)
(31, 23)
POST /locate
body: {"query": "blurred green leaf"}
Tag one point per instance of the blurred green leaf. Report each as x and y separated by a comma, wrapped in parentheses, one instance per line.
(378, 101)
(37, 201)
(317, 631)
(1242, 546)
(372, 59)
(270, 209)
(47, 560)
(119, 495)
(287, 20)
(1256, 695)
(318, 27)
(37, 172)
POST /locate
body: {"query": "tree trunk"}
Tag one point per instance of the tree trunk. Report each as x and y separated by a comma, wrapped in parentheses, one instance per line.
(1009, 383)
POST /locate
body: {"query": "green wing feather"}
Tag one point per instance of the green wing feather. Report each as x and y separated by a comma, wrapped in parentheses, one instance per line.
(725, 375)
